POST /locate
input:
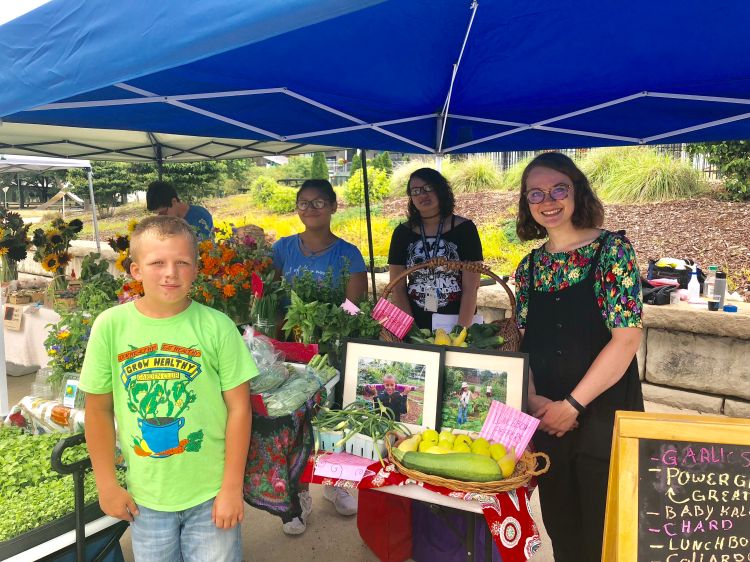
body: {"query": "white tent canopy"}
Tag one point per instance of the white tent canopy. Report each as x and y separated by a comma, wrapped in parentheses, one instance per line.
(136, 146)
(10, 163)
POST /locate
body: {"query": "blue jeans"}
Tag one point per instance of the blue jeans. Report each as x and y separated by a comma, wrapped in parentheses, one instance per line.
(189, 535)
(462, 413)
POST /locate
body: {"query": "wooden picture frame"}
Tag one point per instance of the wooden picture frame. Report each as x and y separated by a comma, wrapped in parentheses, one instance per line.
(414, 378)
(489, 375)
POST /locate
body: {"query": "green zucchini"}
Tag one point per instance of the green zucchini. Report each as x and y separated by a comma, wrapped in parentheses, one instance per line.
(467, 467)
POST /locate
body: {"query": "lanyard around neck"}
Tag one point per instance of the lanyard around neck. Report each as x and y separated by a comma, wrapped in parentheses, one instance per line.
(436, 246)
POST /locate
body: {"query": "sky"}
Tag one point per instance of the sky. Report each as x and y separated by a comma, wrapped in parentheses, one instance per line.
(11, 9)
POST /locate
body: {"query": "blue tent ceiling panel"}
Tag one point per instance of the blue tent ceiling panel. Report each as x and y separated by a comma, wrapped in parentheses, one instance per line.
(368, 72)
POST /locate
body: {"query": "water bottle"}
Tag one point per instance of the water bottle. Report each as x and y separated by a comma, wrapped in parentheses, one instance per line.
(720, 287)
(708, 284)
(694, 287)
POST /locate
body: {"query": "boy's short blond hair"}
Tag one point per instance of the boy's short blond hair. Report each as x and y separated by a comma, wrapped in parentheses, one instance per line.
(161, 226)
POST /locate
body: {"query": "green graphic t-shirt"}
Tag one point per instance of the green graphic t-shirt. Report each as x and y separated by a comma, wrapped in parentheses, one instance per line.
(166, 376)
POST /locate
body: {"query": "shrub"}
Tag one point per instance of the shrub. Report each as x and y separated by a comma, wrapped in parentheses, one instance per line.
(640, 174)
(378, 183)
(510, 180)
(319, 168)
(732, 158)
(477, 173)
(401, 174)
(262, 189)
(283, 200)
(500, 254)
(354, 230)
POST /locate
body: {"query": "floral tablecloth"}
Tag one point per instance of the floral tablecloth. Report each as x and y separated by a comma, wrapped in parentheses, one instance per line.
(277, 458)
(508, 514)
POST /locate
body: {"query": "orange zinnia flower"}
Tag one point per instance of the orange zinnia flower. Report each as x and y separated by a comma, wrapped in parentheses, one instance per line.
(229, 291)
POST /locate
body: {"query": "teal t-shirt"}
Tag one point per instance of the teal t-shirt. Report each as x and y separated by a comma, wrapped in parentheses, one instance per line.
(166, 376)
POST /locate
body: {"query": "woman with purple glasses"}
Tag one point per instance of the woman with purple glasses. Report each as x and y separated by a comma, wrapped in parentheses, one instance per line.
(579, 309)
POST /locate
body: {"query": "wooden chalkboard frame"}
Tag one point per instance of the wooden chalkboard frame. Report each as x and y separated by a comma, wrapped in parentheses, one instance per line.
(621, 521)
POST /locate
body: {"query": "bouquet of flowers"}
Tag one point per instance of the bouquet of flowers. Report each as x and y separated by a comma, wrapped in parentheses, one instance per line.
(52, 247)
(14, 241)
(225, 275)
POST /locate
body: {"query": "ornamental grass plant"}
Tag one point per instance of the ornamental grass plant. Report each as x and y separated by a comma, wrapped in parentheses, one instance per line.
(640, 175)
(475, 174)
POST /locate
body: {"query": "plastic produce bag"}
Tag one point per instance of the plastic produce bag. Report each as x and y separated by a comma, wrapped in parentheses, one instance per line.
(272, 372)
(291, 395)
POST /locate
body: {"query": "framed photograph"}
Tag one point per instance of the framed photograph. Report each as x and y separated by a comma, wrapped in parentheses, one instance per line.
(474, 378)
(405, 378)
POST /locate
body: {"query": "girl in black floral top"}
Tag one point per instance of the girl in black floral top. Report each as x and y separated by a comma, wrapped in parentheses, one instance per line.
(579, 308)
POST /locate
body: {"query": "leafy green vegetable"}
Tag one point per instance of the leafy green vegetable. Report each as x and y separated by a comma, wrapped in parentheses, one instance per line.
(31, 493)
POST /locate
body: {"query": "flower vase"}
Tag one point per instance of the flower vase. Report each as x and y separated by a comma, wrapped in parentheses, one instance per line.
(59, 282)
(8, 269)
(264, 315)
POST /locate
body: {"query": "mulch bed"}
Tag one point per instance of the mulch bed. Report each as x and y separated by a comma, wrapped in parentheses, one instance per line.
(709, 231)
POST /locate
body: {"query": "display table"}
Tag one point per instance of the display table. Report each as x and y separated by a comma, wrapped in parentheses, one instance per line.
(26, 346)
(507, 515)
(39, 416)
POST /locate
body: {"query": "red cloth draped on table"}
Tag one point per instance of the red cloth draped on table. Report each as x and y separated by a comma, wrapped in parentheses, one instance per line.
(508, 514)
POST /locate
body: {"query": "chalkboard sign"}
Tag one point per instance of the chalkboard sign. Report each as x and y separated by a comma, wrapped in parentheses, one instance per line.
(694, 501)
(679, 489)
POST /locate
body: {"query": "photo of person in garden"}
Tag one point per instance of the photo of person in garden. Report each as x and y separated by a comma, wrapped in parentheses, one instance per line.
(468, 394)
(394, 384)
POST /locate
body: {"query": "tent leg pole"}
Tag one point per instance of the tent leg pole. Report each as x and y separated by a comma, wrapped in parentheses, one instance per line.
(93, 211)
(363, 154)
(4, 406)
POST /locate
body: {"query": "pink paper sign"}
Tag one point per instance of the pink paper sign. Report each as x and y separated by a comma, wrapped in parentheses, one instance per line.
(392, 318)
(509, 426)
(343, 466)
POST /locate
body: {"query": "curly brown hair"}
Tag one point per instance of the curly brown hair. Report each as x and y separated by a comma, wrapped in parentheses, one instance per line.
(588, 212)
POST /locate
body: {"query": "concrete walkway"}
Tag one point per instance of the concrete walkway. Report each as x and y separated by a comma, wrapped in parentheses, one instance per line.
(329, 537)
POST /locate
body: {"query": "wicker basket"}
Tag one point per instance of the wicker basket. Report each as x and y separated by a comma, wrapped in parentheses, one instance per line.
(509, 329)
(526, 468)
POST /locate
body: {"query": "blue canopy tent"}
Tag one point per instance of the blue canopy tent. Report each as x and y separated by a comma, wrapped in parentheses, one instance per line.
(421, 76)
(430, 76)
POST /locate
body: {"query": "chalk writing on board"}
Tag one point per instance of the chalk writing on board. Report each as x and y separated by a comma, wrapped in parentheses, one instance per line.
(693, 502)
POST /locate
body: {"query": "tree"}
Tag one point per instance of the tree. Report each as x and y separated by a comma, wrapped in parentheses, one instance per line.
(732, 158)
(356, 164)
(319, 169)
(195, 180)
(383, 162)
(298, 167)
(113, 181)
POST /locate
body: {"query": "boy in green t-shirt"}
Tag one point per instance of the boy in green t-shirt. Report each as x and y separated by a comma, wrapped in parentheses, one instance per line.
(173, 373)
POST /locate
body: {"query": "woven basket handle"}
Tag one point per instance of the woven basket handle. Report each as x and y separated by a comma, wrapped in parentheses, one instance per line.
(476, 267)
(545, 468)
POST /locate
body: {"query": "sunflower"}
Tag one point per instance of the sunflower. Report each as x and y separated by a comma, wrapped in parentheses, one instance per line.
(75, 225)
(132, 224)
(3, 250)
(50, 262)
(17, 253)
(119, 262)
(39, 238)
(55, 238)
(64, 259)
